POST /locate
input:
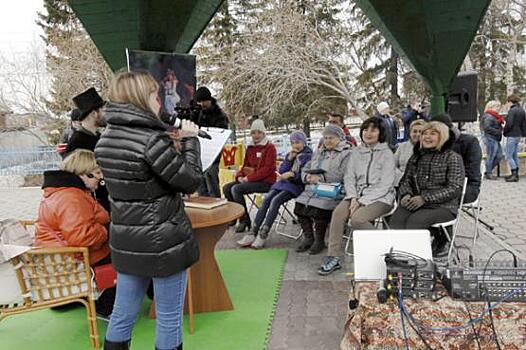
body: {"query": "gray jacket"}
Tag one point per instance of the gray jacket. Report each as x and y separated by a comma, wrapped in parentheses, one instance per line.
(402, 155)
(370, 175)
(334, 162)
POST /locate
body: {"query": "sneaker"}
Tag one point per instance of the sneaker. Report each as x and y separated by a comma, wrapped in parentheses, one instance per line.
(258, 243)
(331, 264)
(105, 318)
(489, 177)
(247, 240)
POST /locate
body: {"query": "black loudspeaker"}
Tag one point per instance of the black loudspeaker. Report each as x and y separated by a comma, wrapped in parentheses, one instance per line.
(461, 102)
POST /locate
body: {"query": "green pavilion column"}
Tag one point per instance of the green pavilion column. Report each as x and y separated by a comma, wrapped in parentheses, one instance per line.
(433, 36)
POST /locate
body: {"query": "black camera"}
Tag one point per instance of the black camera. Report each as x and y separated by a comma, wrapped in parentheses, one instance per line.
(190, 112)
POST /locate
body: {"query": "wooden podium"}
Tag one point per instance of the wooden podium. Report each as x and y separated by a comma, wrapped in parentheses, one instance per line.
(206, 289)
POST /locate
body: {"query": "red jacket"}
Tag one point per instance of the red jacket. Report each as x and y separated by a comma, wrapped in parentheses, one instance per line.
(263, 159)
(72, 214)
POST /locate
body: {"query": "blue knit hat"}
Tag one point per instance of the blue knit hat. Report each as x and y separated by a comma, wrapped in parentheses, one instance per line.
(298, 135)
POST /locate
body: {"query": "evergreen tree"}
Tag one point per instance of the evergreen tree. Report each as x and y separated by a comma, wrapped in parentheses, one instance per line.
(72, 59)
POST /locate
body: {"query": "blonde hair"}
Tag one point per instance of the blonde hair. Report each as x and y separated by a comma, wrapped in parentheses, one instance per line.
(493, 105)
(442, 130)
(79, 162)
(418, 122)
(134, 88)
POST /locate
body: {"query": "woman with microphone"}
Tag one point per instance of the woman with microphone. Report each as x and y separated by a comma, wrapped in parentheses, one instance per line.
(151, 237)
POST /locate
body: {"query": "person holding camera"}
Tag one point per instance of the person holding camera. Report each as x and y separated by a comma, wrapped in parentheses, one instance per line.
(323, 177)
(211, 115)
(151, 237)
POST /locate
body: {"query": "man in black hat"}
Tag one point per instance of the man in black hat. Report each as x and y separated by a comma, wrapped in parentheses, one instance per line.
(90, 106)
(87, 135)
(211, 115)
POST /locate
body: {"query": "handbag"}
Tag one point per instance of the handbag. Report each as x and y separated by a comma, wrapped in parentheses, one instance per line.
(105, 275)
(328, 190)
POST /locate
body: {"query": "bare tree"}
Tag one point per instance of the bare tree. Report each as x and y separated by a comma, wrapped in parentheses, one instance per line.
(25, 82)
(74, 65)
(282, 64)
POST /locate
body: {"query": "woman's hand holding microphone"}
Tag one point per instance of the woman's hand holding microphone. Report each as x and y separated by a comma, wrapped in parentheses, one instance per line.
(188, 129)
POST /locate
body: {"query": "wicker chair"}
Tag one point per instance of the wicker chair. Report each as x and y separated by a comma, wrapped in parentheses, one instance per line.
(51, 277)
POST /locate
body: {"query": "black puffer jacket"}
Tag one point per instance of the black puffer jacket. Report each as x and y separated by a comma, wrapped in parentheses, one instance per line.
(150, 234)
(438, 176)
(515, 122)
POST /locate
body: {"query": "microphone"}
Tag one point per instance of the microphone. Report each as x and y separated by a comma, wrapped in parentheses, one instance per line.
(201, 133)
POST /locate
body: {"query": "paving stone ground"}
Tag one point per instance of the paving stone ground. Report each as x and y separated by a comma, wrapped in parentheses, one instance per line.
(311, 309)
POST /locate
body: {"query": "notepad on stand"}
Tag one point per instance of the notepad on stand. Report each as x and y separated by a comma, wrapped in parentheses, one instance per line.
(204, 202)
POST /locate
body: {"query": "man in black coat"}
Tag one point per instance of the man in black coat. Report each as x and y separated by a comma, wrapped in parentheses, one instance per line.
(211, 115)
(468, 147)
(90, 104)
(514, 129)
(390, 124)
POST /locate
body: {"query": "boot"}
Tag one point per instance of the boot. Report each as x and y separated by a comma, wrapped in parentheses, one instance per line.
(319, 237)
(110, 345)
(180, 347)
(308, 236)
(514, 176)
(242, 227)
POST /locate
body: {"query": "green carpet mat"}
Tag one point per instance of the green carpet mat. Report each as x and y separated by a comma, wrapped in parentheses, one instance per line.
(253, 280)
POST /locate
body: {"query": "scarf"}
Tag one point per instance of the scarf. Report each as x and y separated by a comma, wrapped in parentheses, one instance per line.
(497, 116)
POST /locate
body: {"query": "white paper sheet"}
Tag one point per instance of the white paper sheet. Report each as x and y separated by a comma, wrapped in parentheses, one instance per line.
(210, 149)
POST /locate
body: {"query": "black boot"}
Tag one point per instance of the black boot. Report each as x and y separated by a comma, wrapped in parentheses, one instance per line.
(308, 235)
(514, 176)
(110, 345)
(320, 227)
(243, 226)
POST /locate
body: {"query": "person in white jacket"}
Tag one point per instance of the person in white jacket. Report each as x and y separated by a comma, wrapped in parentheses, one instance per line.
(369, 189)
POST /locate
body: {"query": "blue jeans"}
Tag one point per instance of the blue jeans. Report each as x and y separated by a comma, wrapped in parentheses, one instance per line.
(493, 154)
(512, 148)
(270, 208)
(169, 301)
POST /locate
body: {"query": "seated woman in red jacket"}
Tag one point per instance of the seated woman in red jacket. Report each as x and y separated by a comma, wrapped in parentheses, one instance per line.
(69, 215)
(257, 174)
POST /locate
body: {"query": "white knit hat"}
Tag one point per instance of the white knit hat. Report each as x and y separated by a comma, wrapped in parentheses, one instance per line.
(382, 106)
(258, 125)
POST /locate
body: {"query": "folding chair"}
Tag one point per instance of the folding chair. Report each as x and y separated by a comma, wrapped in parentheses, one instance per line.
(282, 221)
(473, 209)
(383, 219)
(380, 220)
(443, 226)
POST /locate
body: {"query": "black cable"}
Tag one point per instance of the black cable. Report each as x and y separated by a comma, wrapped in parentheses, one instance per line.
(415, 328)
(493, 324)
(475, 333)
(487, 292)
(400, 298)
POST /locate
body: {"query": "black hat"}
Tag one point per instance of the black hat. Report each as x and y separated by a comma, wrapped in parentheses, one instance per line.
(203, 94)
(87, 102)
(443, 118)
(75, 115)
